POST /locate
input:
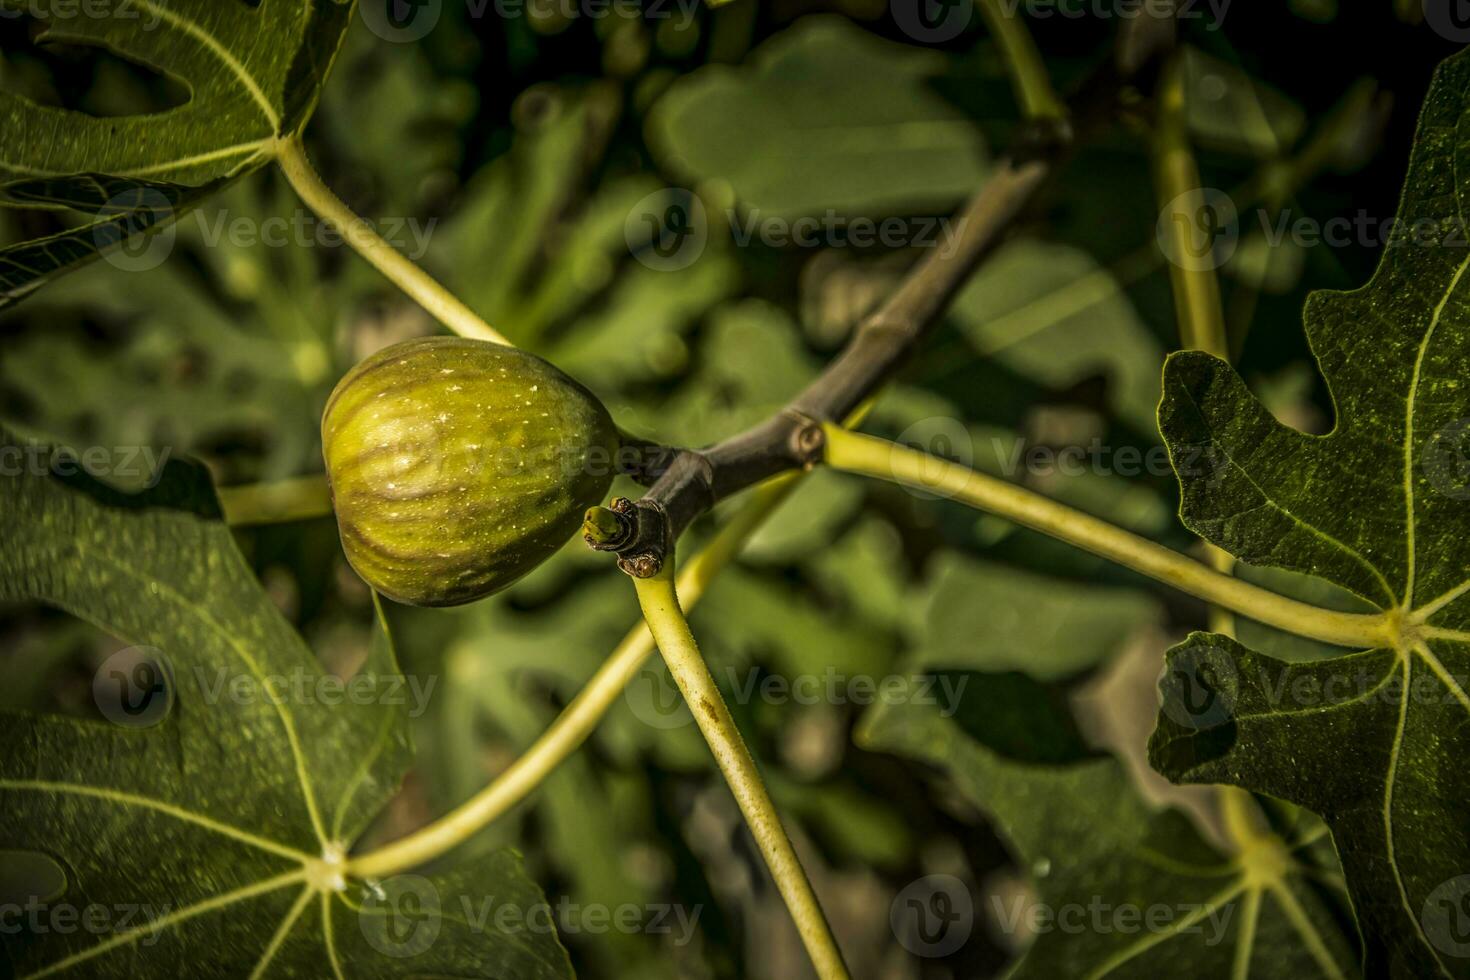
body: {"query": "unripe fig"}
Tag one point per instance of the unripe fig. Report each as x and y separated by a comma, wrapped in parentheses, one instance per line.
(456, 466)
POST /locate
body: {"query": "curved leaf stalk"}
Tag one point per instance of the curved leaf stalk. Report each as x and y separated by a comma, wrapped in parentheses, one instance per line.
(443, 305)
(1195, 285)
(1201, 315)
(879, 458)
(573, 726)
(670, 630)
(1176, 179)
(295, 499)
(1028, 72)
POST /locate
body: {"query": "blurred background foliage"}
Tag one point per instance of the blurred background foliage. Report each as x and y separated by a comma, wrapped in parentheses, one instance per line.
(523, 145)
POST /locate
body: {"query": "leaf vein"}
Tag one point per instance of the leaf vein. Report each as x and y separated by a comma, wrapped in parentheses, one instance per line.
(211, 43)
(182, 915)
(169, 809)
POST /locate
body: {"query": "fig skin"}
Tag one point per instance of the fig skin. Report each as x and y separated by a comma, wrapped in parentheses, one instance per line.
(456, 466)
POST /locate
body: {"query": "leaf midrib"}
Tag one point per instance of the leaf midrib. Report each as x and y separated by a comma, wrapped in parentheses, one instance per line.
(213, 46)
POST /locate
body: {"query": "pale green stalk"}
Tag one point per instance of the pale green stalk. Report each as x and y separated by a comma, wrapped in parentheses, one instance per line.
(443, 305)
(294, 499)
(885, 460)
(1028, 72)
(671, 631)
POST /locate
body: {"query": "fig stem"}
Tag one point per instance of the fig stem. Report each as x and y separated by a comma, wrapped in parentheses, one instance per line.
(580, 718)
(604, 529)
(443, 305)
(660, 601)
(297, 498)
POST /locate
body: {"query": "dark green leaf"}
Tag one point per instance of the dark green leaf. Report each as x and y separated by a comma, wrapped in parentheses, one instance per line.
(122, 211)
(825, 116)
(254, 74)
(1118, 889)
(213, 808)
(1373, 741)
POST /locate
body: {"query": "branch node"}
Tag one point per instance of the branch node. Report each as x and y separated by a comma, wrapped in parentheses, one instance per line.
(645, 564)
(638, 530)
(808, 442)
(1043, 138)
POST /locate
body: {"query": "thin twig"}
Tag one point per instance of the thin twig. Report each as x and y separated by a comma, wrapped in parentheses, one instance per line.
(791, 439)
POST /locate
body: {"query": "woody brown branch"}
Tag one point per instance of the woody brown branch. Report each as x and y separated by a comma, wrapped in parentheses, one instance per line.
(695, 480)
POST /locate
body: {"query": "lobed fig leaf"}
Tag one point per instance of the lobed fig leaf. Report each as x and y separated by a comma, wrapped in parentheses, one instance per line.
(1374, 741)
(200, 824)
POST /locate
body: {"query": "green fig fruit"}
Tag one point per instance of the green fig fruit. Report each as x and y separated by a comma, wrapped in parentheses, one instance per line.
(456, 466)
